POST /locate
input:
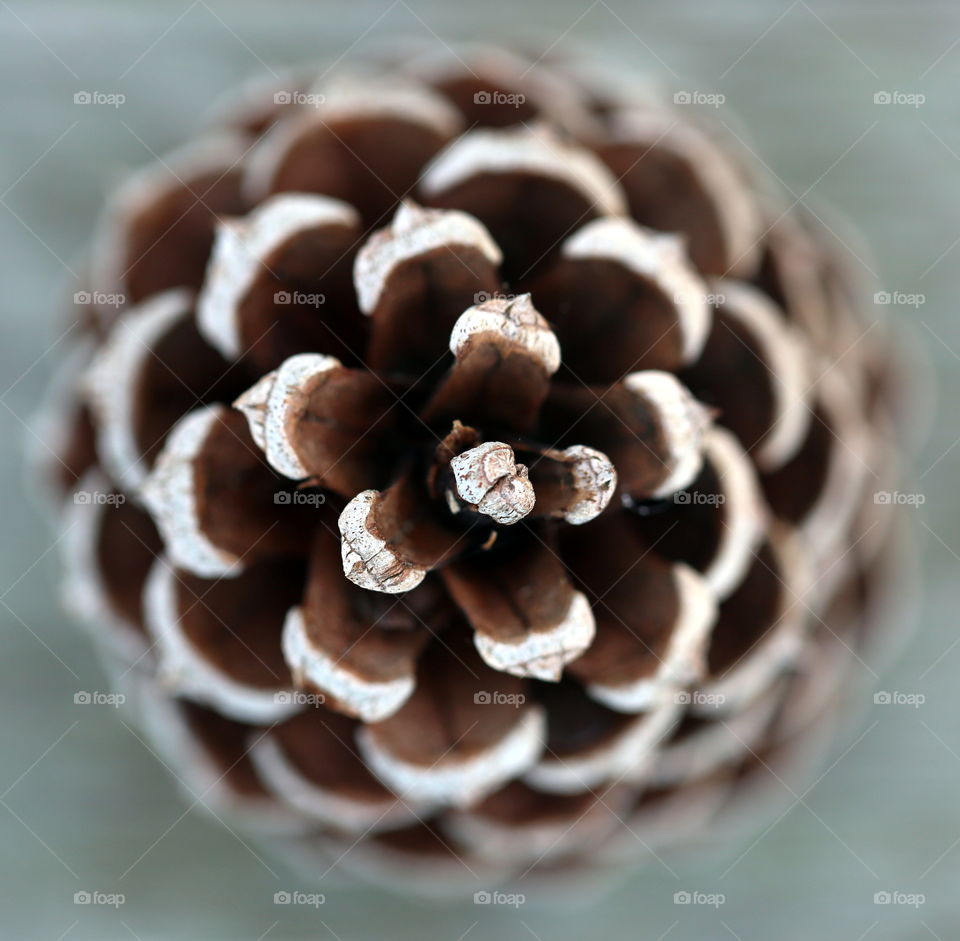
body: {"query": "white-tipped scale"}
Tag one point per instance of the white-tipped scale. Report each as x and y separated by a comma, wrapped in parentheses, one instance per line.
(218, 152)
(628, 755)
(322, 805)
(658, 257)
(83, 590)
(187, 672)
(368, 700)
(684, 421)
(240, 252)
(413, 232)
(488, 477)
(724, 182)
(170, 494)
(516, 321)
(270, 403)
(347, 100)
(744, 512)
(368, 560)
(543, 654)
(684, 659)
(778, 649)
(460, 782)
(112, 379)
(784, 354)
(534, 150)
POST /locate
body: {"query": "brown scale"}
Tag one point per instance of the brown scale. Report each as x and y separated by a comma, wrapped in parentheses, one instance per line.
(690, 532)
(311, 272)
(664, 193)
(634, 599)
(374, 636)
(226, 743)
(319, 743)
(127, 545)
(794, 489)
(370, 163)
(732, 376)
(237, 503)
(168, 241)
(236, 623)
(419, 304)
(78, 452)
(746, 616)
(618, 422)
(181, 373)
(528, 215)
(460, 707)
(608, 319)
(576, 724)
(509, 594)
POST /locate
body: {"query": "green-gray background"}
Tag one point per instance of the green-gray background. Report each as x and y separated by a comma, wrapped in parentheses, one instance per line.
(82, 801)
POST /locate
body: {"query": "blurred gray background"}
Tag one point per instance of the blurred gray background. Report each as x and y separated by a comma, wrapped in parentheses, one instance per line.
(84, 806)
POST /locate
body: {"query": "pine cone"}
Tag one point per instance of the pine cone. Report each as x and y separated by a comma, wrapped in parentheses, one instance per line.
(475, 469)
